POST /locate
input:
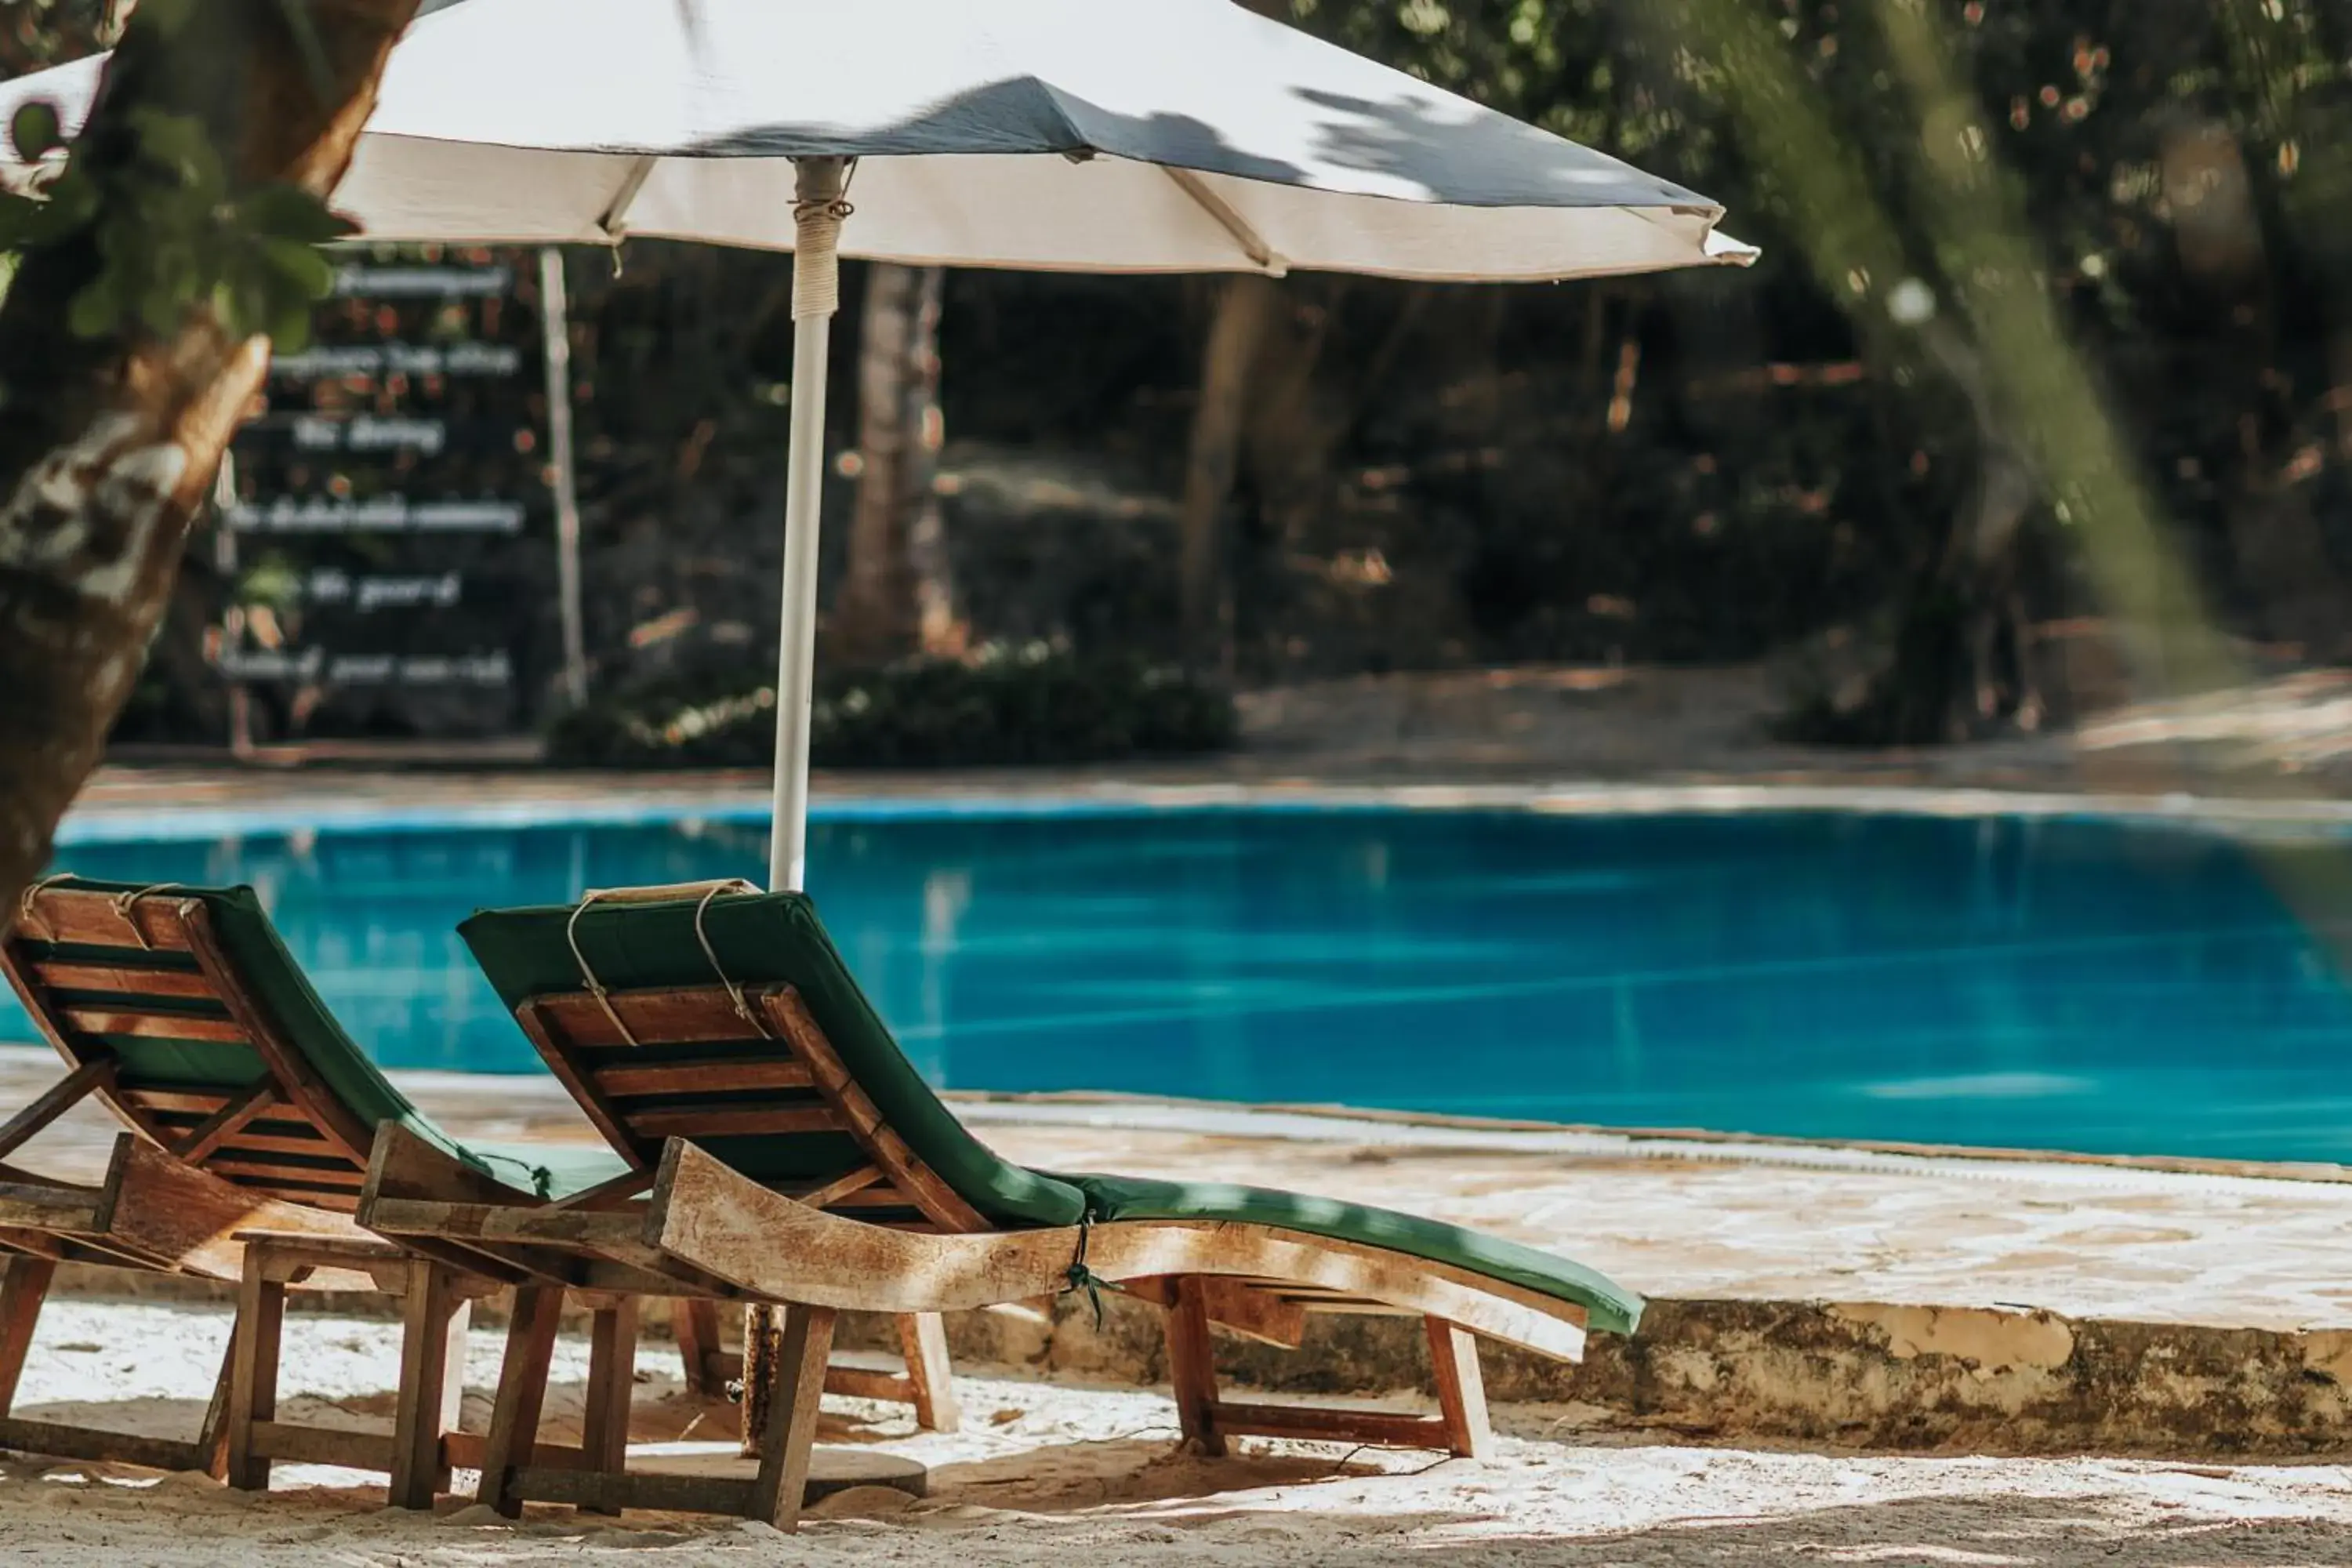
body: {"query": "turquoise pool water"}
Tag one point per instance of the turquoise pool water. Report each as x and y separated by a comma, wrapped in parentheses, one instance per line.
(2073, 985)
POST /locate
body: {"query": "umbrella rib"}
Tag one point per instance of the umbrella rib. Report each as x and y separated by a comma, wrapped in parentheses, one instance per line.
(618, 215)
(1253, 244)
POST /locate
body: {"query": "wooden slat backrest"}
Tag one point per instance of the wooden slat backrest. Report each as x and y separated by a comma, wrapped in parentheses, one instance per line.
(91, 966)
(687, 1062)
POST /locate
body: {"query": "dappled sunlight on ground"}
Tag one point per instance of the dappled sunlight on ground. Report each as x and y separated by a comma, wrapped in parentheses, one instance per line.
(1046, 1473)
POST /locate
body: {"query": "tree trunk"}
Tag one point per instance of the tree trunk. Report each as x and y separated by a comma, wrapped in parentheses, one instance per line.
(1960, 661)
(107, 446)
(939, 632)
(1956, 663)
(898, 598)
(1237, 334)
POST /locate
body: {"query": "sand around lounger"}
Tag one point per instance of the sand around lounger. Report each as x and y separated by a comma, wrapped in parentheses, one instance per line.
(1045, 1474)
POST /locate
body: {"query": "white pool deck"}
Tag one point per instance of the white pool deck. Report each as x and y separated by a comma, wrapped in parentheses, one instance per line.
(1689, 1216)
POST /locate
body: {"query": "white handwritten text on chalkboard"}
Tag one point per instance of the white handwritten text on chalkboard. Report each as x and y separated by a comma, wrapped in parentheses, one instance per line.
(366, 433)
(310, 664)
(376, 591)
(398, 359)
(383, 514)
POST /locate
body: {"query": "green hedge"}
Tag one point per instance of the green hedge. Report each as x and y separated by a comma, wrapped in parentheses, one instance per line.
(1034, 709)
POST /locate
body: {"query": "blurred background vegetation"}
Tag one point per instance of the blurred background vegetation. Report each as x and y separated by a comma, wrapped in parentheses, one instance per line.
(2041, 395)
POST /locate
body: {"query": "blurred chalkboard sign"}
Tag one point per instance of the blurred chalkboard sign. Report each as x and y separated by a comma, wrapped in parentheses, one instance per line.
(385, 531)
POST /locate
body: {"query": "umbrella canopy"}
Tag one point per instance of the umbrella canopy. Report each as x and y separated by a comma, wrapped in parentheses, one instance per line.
(1094, 136)
(1143, 136)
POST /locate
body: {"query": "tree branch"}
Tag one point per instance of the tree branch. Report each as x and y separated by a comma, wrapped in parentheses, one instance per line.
(108, 446)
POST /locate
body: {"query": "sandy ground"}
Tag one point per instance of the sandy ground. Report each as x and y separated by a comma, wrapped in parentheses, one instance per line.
(1048, 1474)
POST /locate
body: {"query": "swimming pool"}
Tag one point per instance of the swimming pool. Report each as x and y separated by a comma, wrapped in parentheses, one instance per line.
(2055, 984)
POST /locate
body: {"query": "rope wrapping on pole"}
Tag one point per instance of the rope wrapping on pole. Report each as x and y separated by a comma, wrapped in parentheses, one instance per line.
(817, 217)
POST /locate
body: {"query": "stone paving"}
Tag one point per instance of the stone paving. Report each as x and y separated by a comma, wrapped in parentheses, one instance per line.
(1672, 1217)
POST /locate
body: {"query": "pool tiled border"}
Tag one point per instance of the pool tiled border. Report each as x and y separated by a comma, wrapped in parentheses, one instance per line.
(516, 801)
(1375, 1129)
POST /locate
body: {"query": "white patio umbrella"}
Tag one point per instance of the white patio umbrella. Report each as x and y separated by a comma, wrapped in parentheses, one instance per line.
(1086, 135)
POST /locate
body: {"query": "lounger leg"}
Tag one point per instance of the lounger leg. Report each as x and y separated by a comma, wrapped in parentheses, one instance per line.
(791, 1431)
(253, 1378)
(611, 1372)
(522, 1392)
(211, 1440)
(452, 1367)
(923, 1336)
(24, 1286)
(429, 1383)
(1460, 1388)
(1191, 1371)
(695, 1322)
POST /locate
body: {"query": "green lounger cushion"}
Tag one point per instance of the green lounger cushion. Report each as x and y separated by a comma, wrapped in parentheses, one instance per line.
(773, 939)
(271, 971)
(551, 1170)
(1609, 1306)
(777, 936)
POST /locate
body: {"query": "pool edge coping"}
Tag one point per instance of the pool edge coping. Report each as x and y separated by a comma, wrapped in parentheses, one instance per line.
(1344, 1123)
(128, 821)
(1340, 1123)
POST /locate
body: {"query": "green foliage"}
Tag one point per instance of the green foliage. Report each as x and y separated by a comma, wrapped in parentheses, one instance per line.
(171, 233)
(35, 130)
(271, 580)
(36, 34)
(168, 17)
(1042, 707)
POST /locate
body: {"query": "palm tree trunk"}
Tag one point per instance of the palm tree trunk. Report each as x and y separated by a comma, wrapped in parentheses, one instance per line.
(108, 446)
(1236, 335)
(898, 598)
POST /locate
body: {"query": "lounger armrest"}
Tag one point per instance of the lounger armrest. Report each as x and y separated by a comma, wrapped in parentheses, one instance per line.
(711, 1218)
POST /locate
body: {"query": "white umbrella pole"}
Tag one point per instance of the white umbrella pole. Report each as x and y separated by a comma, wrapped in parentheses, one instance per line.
(817, 211)
(816, 290)
(555, 324)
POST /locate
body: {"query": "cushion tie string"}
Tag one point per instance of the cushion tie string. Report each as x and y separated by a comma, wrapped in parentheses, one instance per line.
(124, 903)
(1078, 1277)
(587, 975)
(27, 914)
(734, 991)
(669, 893)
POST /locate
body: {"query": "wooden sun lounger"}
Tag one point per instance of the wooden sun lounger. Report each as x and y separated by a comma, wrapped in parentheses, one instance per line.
(926, 1380)
(874, 1218)
(154, 1212)
(242, 1166)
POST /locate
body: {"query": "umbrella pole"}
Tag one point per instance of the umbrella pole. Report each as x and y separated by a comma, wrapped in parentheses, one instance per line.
(817, 211)
(817, 215)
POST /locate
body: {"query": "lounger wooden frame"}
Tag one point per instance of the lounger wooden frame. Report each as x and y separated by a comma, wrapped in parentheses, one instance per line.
(253, 1188)
(152, 1212)
(285, 1136)
(587, 1044)
(720, 1235)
